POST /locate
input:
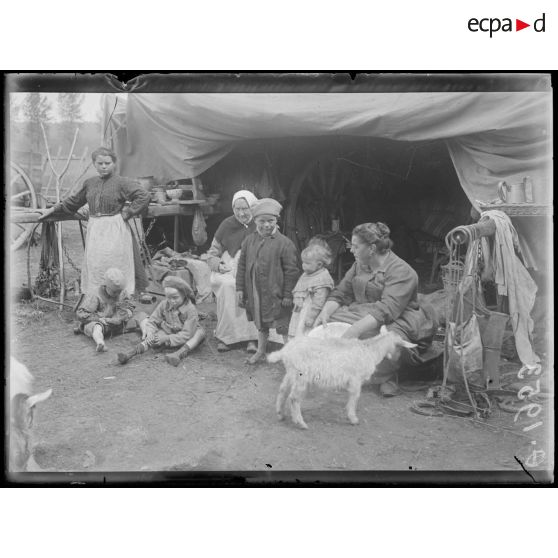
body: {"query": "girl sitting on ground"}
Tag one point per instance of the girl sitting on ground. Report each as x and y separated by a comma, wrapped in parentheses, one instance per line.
(268, 269)
(173, 324)
(313, 287)
(107, 311)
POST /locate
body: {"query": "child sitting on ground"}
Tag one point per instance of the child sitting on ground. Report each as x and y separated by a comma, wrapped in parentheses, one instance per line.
(174, 323)
(313, 287)
(107, 311)
(268, 269)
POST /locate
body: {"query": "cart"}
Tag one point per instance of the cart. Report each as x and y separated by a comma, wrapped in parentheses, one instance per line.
(23, 193)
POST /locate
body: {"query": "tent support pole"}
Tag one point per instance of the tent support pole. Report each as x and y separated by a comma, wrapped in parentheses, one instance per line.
(176, 229)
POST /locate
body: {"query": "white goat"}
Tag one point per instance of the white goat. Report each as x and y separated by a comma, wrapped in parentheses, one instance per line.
(331, 363)
(22, 405)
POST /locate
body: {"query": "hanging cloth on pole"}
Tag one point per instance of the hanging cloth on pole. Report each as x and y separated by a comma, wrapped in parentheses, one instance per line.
(513, 280)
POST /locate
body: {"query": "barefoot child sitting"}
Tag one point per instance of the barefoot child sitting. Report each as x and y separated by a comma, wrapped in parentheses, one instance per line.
(268, 269)
(174, 323)
(313, 287)
(107, 311)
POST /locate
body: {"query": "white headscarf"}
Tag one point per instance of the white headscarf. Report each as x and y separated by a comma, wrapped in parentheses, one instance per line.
(247, 195)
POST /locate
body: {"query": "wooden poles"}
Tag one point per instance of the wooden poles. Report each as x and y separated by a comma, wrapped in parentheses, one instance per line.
(58, 179)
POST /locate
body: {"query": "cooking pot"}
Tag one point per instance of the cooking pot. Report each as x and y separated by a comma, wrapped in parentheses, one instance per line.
(158, 195)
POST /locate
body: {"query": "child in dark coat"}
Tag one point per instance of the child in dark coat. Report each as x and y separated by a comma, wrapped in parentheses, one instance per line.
(268, 270)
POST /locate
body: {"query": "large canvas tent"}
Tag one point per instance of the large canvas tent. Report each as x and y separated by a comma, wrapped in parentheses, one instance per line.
(491, 136)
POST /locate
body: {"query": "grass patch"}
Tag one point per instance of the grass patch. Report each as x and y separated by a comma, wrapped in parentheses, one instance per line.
(27, 312)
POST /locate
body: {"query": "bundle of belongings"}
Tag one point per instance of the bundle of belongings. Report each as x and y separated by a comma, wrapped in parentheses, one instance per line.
(186, 266)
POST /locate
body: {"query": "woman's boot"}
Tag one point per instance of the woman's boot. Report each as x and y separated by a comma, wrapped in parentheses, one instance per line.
(140, 348)
(177, 356)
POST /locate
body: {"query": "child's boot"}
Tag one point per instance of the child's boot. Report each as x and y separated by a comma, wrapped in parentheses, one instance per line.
(140, 348)
(177, 356)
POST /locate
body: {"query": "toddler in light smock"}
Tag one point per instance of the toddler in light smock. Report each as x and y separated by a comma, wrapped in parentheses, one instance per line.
(313, 287)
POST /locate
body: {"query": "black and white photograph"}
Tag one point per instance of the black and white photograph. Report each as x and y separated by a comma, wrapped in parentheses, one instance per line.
(279, 277)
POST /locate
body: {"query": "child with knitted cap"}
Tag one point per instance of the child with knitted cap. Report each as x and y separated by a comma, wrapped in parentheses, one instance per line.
(107, 311)
(173, 324)
(313, 287)
(268, 269)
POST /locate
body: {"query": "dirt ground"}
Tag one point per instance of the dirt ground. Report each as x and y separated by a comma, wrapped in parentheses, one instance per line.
(214, 412)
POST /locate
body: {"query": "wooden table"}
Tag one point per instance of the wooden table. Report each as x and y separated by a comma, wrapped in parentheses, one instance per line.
(178, 209)
(170, 209)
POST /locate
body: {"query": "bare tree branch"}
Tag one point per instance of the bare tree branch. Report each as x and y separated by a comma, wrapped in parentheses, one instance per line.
(70, 153)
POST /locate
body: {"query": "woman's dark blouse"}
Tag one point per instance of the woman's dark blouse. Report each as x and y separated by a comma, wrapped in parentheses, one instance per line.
(106, 196)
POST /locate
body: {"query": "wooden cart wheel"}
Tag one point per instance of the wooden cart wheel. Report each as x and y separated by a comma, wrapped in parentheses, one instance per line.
(22, 196)
(316, 195)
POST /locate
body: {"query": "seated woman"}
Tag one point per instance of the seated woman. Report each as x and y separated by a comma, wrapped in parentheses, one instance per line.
(380, 289)
(232, 325)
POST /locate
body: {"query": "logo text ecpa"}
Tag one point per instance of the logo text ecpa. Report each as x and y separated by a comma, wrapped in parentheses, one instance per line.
(493, 25)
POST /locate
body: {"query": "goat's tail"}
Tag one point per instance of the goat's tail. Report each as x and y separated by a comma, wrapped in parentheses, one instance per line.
(275, 356)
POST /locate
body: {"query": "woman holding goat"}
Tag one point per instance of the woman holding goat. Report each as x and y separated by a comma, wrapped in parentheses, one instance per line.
(380, 289)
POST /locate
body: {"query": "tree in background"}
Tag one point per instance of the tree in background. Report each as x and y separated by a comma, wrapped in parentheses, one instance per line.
(35, 109)
(69, 109)
(15, 109)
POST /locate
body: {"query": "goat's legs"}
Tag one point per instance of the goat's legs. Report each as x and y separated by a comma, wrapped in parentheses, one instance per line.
(282, 395)
(354, 394)
(297, 393)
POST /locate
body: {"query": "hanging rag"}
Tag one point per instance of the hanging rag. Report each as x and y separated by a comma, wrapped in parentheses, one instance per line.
(513, 280)
(199, 234)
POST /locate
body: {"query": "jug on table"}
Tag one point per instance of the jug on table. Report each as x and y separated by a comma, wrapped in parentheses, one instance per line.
(517, 192)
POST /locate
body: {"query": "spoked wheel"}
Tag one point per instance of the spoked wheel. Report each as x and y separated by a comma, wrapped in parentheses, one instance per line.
(22, 196)
(316, 198)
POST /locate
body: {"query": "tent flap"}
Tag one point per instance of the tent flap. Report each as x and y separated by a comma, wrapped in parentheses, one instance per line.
(491, 136)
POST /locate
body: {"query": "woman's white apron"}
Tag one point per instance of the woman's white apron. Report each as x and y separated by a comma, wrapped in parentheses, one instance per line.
(108, 244)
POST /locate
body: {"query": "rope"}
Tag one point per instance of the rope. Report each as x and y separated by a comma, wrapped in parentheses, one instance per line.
(28, 265)
(110, 118)
(65, 250)
(461, 359)
(454, 270)
(150, 227)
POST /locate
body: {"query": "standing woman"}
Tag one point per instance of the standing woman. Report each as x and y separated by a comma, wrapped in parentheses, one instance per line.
(381, 289)
(109, 241)
(232, 324)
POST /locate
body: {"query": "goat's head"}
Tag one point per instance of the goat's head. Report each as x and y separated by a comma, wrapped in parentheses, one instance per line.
(394, 343)
(21, 420)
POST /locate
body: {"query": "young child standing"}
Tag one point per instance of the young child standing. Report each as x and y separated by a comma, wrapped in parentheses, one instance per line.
(268, 269)
(313, 287)
(174, 324)
(107, 311)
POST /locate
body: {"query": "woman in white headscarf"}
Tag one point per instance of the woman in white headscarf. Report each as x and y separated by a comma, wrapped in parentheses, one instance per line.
(232, 324)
